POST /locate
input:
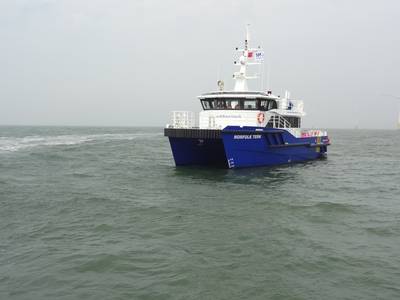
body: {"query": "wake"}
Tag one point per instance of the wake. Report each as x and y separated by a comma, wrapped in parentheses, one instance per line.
(11, 144)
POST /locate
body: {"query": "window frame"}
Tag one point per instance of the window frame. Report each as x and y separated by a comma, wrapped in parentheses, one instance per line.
(212, 104)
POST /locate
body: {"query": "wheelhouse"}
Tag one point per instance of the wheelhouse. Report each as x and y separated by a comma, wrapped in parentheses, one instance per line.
(238, 104)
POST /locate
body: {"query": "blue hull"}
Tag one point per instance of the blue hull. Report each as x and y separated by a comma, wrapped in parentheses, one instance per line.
(238, 147)
(195, 151)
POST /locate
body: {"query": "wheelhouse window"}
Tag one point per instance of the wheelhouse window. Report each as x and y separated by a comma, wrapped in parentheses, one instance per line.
(233, 104)
(263, 104)
(249, 104)
(220, 104)
(239, 104)
(272, 105)
(206, 104)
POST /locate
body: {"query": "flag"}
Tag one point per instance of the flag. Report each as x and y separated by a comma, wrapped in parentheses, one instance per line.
(259, 56)
(255, 56)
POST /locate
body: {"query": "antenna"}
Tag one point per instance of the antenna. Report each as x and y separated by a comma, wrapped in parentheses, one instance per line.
(247, 40)
(248, 56)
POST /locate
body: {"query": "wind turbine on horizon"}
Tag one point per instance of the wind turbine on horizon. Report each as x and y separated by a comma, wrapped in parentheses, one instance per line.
(398, 98)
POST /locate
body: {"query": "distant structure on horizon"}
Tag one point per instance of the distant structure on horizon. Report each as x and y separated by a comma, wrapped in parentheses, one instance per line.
(398, 109)
(398, 122)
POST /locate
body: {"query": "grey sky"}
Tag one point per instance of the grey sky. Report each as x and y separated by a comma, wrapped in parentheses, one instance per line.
(97, 62)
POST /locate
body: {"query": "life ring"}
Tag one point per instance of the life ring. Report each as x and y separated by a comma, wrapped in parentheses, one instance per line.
(260, 117)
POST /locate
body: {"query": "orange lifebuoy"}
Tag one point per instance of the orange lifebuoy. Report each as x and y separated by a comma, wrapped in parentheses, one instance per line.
(260, 117)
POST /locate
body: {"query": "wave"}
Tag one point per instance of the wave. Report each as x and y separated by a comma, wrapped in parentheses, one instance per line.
(11, 144)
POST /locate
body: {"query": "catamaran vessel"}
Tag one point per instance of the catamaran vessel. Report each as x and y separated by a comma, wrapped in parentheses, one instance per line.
(243, 128)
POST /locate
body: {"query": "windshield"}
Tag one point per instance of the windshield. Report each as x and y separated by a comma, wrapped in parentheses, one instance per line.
(239, 104)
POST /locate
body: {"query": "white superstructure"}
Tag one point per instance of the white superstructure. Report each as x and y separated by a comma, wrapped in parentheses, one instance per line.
(242, 107)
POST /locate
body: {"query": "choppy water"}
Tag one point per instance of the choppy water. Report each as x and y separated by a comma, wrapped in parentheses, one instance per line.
(102, 213)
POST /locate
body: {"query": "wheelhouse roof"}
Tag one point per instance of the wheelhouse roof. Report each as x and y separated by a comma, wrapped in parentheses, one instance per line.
(234, 94)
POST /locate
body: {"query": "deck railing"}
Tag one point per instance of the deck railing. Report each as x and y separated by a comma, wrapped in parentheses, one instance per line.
(277, 121)
(182, 119)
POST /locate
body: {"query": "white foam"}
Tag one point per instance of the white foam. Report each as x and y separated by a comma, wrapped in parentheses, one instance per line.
(10, 144)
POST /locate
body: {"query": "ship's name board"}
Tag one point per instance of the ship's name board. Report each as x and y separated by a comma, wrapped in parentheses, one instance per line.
(247, 136)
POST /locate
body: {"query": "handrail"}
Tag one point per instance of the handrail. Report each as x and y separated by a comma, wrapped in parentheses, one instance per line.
(182, 119)
(278, 121)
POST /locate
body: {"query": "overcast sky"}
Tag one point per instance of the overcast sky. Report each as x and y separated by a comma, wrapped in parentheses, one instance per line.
(120, 62)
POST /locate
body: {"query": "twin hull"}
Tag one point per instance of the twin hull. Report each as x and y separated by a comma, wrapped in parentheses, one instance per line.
(236, 147)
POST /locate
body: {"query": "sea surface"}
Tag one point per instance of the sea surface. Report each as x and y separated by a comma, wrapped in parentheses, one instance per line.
(103, 213)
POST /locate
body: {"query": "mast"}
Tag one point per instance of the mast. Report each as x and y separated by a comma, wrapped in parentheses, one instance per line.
(249, 56)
